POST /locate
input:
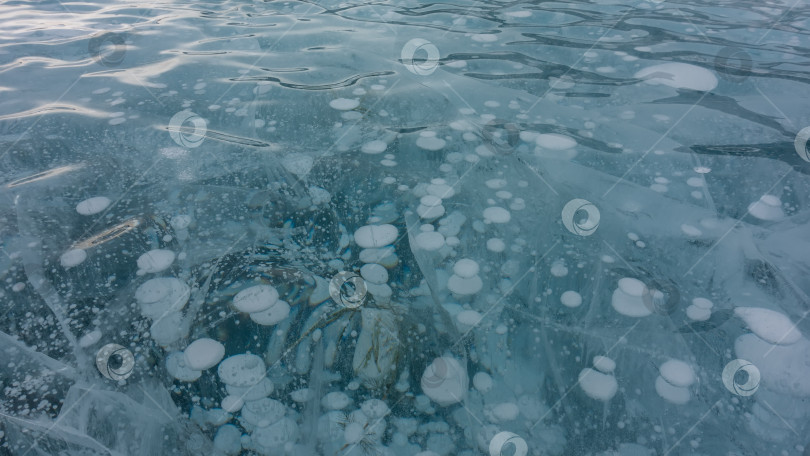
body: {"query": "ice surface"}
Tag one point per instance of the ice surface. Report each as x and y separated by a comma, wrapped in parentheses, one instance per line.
(579, 227)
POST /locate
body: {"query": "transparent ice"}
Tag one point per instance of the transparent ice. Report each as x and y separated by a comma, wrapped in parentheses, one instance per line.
(404, 228)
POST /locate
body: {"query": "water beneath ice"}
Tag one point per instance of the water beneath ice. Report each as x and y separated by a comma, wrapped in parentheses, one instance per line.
(402, 228)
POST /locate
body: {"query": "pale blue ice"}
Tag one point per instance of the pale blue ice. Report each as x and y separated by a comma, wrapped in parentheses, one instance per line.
(405, 228)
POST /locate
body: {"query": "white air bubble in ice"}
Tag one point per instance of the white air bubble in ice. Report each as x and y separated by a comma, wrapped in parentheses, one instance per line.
(430, 143)
(768, 207)
(679, 76)
(604, 364)
(298, 164)
(161, 295)
(177, 368)
(374, 273)
(696, 313)
(255, 299)
(629, 305)
(73, 258)
(155, 261)
(598, 385)
(674, 394)
(344, 104)
(232, 404)
(497, 214)
(431, 240)
(93, 205)
(769, 325)
(555, 141)
(253, 392)
(263, 412)
(273, 315)
(571, 299)
(336, 400)
(464, 287)
(374, 147)
(677, 372)
(375, 236)
(203, 354)
(241, 370)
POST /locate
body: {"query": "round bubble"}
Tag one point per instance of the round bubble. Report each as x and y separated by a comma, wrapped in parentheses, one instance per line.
(420, 67)
(503, 439)
(741, 377)
(348, 289)
(115, 362)
(579, 226)
(801, 144)
(187, 129)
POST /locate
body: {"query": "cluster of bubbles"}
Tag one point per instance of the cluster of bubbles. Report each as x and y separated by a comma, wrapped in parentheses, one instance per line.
(348, 289)
(444, 375)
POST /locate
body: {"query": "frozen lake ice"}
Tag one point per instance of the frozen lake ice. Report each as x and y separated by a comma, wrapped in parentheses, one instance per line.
(402, 228)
